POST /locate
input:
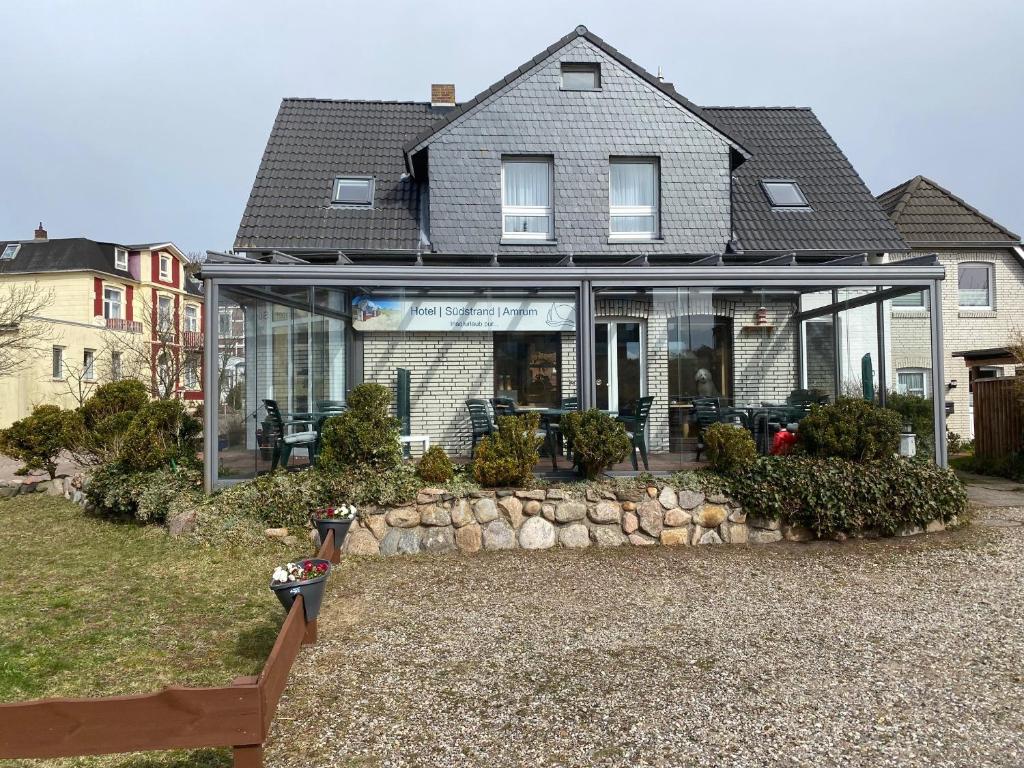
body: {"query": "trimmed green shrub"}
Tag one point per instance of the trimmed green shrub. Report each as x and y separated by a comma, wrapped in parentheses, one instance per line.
(435, 466)
(508, 456)
(146, 496)
(598, 441)
(38, 439)
(730, 450)
(850, 429)
(161, 433)
(833, 495)
(106, 416)
(917, 412)
(366, 435)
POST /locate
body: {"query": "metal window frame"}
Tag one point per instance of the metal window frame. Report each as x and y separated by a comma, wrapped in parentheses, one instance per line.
(785, 206)
(583, 281)
(353, 177)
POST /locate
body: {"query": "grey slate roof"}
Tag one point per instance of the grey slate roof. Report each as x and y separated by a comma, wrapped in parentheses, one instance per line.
(925, 212)
(69, 254)
(667, 88)
(312, 142)
(791, 143)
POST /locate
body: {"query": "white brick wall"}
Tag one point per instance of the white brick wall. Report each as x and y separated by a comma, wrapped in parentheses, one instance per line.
(962, 330)
(445, 369)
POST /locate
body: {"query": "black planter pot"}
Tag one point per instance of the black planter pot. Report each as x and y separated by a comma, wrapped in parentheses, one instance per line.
(312, 592)
(340, 528)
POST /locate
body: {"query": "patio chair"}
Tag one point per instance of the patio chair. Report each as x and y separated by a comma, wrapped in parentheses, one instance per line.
(331, 406)
(480, 420)
(634, 416)
(283, 441)
(706, 412)
(503, 406)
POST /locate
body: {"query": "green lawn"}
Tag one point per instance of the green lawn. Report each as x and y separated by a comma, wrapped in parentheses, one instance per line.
(94, 608)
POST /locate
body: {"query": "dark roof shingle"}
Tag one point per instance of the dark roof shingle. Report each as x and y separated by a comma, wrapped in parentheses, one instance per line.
(312, 142)
(68, 254)
(791, 143)
(925, 212)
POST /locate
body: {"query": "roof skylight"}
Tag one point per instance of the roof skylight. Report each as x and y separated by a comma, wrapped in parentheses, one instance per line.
(784, 193)
(10, 251)
(353, 190)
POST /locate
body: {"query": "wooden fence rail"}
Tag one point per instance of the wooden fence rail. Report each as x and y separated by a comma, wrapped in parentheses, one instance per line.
(237, 716)
(998, 417)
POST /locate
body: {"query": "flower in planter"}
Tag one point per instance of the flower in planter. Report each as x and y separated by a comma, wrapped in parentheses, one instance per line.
(342, 512)
(307, 569)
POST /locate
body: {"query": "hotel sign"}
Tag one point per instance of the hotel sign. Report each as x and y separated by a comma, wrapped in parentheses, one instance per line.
(483, 314)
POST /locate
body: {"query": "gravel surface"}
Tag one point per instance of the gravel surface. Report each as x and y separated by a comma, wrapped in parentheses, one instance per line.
(901, 652)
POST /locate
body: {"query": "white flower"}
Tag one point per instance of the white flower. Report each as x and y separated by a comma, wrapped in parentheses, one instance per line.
(354, 510)
(280, 575)
(343, 511)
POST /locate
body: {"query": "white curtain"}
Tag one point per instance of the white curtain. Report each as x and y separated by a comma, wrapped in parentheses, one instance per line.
(526, 183)
(632, 184)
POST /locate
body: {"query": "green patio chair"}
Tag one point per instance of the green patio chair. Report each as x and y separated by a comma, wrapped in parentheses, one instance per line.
(284, 441)
(634, 416)
(706, 412)
(480, 421)
(503, 406)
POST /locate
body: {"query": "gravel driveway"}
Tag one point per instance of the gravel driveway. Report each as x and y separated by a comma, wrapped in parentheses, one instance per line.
(901, 652)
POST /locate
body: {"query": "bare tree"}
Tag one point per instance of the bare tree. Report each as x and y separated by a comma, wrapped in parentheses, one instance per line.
(164, 356)
(21, 328)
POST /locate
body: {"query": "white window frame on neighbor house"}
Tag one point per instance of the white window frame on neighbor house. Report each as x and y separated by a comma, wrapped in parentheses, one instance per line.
(623, 211)
(116, 369)
(57, 371)
(990, 294)
(165, 273)
(191, 318)
(904, 388)
(89, 365)
(10, 251)
(191, 372)
(164, 319)
(511, 210)
(113, 303)
(121, 259)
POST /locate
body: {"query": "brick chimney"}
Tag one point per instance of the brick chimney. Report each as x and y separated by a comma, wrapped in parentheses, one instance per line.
(40, 232)
(442, 95)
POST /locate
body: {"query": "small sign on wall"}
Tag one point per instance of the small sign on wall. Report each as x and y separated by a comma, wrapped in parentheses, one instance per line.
(484, 314)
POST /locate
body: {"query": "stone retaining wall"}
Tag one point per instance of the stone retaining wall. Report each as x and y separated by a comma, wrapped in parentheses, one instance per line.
(539, 519)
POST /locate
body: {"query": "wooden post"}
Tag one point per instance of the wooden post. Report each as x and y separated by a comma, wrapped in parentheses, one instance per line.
(309, 638)
(249, 756)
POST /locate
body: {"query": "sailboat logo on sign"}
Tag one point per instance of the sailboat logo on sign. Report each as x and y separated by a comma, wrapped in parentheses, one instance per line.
(559, 315)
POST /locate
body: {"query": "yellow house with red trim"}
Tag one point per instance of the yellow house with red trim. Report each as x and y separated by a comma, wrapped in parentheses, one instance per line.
(112, 310)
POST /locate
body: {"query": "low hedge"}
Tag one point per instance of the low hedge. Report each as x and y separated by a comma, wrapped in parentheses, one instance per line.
(835, 495)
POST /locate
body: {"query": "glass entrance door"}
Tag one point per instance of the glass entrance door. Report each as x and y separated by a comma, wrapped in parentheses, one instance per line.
(619, 352)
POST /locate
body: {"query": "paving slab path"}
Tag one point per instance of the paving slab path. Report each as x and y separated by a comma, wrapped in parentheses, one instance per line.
(900, 652)
(990, 491)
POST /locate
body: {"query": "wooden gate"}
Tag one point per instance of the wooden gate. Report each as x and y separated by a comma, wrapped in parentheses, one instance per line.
(998, 417)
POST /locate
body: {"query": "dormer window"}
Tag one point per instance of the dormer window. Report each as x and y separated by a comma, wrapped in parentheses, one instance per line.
(165, 267)
(120, 259)
(784, 193)
(353, 190)
(10, 251)
(581, 76)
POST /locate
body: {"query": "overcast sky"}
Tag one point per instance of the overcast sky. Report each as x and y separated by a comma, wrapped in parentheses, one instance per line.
(143, 120)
